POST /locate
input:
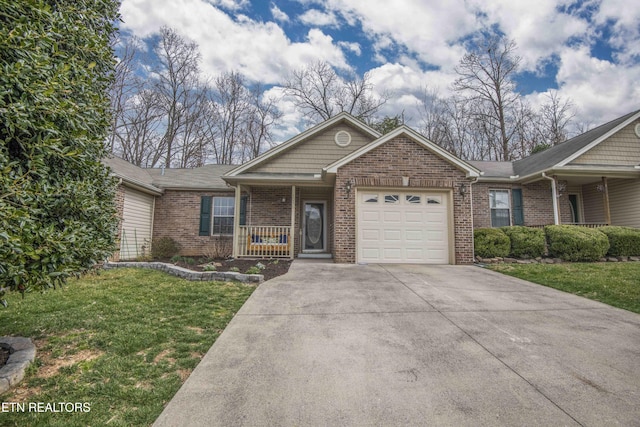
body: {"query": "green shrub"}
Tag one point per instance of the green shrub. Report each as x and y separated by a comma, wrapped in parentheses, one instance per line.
(491, 243)
(525, 241)
(165, 247)
(623, 241)
(209, 267)
(572, 243)
(253, 270)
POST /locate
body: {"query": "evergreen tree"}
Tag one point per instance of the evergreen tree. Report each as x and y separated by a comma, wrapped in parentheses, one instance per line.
(57, 209)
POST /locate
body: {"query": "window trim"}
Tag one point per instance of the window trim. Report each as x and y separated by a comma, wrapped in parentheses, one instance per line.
(206, 218)
(214, 216)
(508, 209)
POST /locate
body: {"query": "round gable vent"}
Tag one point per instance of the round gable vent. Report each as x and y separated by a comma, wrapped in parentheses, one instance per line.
(343, 138)
(637, 130)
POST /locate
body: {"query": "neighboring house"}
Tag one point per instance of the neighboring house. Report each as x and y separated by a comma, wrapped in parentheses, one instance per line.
(341, 190)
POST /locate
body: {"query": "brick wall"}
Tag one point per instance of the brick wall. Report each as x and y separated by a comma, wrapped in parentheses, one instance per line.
(177, 215)
(536, 200)
(385, 166)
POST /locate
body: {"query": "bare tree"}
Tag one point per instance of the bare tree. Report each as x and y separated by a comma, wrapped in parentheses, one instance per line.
(264, 117)
(486, 78)
(233, 109)
(178, 78)
(172, 116)
(321, 93)
(555, 117)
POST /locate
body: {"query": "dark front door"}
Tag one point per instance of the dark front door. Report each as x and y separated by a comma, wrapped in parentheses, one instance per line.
(314, 227)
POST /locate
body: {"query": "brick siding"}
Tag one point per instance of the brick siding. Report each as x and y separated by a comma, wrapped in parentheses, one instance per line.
(177, 215)
(386, 165)
(536, 200)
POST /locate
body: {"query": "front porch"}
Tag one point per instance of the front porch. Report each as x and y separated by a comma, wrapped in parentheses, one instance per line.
(284, 222)
(597, 201)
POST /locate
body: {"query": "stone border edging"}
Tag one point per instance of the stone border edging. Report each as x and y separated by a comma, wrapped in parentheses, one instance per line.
(187, 274)
(23, 352)
(540, 260)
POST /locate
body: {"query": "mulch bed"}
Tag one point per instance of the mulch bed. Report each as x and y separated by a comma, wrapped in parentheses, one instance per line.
(273, 268)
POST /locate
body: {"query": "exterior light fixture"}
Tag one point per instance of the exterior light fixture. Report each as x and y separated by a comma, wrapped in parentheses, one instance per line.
(463, 189)
(347, 187)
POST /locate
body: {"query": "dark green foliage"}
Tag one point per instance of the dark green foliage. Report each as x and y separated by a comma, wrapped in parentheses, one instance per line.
(525, 241)
(572, 243)
(164, 247)
(623, 241)
(490, 243)
(57, 211)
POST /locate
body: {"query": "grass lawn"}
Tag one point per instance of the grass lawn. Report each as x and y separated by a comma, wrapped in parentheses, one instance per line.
(616, 284)
(122, 341)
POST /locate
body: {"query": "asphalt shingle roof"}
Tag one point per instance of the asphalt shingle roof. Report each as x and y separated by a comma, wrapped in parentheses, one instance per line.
(207, 177)
(548, 158)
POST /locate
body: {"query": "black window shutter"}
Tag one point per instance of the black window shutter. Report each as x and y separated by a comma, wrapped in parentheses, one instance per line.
(243, 210)
(518, 210)
(205, 215)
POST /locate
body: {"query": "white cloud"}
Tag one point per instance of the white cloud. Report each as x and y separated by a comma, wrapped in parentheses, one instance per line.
(429, 30)
(405, 84)
(601, 89)
(230, 4)
(538, 27)
(278, 14)
(316, 18)
(625, 31)
(352, 47)
(259, 50)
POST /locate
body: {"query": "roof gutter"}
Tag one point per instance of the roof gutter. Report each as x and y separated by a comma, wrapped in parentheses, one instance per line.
(554, 196)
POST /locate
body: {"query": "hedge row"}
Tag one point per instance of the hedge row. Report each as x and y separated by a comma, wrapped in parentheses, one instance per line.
(568, 242)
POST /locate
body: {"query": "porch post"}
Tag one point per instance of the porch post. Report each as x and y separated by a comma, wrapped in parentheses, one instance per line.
(293, 223)
(605, 199)
(236, 221)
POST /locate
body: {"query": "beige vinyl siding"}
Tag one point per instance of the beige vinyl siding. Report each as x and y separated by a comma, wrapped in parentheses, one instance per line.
(623, 148)
(137, 217)
(592, 203)
(313, 155)
(624, 199)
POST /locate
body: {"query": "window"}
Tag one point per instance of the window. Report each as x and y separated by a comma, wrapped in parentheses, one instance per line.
(223, 208)
(370, 198)
(391, 198)
(222, 219)
(436, 200)
(415, 200)
(500, 209)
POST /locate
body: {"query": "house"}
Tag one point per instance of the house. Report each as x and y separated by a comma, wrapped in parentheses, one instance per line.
(341, 190)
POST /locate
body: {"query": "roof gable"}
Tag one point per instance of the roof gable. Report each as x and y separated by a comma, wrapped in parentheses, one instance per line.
(404, 130)
(564, 153)
(262, 161)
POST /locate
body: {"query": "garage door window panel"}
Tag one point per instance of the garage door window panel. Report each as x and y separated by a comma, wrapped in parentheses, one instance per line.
(500, 208)
(392, 199)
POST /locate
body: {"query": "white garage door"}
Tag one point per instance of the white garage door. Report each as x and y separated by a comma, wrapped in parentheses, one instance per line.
(403, 227)
(137, 217)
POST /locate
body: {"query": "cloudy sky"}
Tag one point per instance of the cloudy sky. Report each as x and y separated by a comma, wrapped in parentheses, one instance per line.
(587, 50)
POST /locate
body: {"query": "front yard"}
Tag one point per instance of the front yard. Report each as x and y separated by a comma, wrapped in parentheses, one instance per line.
(616, 284)
(119, 343)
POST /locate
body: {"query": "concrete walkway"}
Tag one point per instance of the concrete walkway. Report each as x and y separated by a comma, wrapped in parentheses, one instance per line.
(337, 345)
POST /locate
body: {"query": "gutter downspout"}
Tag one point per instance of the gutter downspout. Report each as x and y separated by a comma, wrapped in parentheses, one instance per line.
(473, 243)
(554, 196)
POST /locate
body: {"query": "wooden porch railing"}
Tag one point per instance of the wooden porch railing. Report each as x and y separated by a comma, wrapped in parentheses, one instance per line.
(264, 241)
(580, 224)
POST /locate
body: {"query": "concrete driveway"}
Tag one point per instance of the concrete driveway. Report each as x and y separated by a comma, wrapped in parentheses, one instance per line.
(329, 344)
